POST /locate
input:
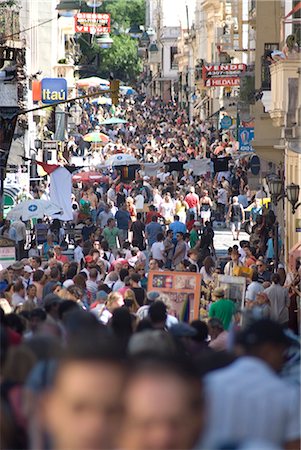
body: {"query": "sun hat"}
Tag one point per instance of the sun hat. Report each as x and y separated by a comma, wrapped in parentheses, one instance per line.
(218, 292)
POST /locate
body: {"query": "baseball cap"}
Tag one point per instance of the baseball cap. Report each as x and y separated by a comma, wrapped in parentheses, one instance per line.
(263, 331)
(28, 269)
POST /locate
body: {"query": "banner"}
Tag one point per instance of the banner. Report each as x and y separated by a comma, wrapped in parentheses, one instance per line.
(93, 23)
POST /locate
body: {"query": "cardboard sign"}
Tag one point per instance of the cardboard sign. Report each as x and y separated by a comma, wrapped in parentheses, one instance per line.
(7, 252)
(183, 290)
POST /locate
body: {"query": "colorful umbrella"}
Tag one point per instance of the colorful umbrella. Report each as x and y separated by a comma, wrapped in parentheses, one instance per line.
(113, 121)
(95, 136)
(89, 177)
(102, 101)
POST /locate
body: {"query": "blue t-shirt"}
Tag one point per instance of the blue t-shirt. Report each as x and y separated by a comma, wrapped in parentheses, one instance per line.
(122, 217)
(177, 227)
(152, 229)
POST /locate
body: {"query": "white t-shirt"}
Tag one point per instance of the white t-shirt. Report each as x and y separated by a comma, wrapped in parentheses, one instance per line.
(207, 278)
(253, 289)
(222, 196)
(167, 210)
(157, 251)
(139, 201)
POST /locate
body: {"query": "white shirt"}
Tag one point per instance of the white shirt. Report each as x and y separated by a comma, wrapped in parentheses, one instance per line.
(139, 201)
(222, 196)
(78, 254)
(103, 218)
(247, 400)
(167, 210)
(157, 200)
(157, 251)
(20, 228)
(253, 289)
(207, 278)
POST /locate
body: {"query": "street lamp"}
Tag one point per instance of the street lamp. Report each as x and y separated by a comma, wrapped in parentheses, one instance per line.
(292, 193)
(145, 39)
(68, 8)
(135, 31)
(276, 189)
(94, 3)
(104, 41)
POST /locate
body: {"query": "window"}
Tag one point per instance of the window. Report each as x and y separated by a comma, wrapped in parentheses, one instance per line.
(265, 65)
(173, 62)
(297, 26)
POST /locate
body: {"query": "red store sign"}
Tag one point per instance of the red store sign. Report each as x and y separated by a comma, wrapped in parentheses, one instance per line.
(93, 23)
(222, 74)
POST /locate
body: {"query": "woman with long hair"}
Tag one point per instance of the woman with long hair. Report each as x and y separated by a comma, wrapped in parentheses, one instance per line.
(207, 270)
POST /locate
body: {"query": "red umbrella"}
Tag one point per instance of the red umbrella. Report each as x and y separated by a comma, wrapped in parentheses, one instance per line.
(89, 177)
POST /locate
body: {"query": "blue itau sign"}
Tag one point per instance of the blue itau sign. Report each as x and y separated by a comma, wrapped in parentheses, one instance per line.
(245, 137)
(226, 122)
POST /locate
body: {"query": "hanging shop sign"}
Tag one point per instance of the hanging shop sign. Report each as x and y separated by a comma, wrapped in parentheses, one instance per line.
(245, 138)
(226, 122)
(93, 23)
(49, 90)
(222, 74)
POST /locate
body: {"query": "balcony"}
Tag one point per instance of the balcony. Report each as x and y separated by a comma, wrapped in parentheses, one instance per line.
(284, 79)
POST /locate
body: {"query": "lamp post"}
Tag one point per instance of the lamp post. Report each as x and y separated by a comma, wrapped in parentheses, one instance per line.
(292, 193)
(68, 8)
(276, 189)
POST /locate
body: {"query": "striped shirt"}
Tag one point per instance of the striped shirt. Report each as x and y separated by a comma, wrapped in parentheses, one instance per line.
(247, 400)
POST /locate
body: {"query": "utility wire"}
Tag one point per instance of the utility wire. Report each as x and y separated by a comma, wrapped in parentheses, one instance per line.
(28, 29)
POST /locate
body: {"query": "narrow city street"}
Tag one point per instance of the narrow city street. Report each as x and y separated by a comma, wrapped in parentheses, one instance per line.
(150, 224)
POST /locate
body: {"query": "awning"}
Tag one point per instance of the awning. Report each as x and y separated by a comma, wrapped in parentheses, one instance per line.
(295, 9)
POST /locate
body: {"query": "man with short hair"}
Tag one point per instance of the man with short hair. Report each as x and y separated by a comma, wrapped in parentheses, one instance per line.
(254, 392)
(20, 234)
(263, 273)
(180, 250)
(279, 300)
(152, 230)
(193, 201)
(177, 226)
(218, 335)
(222, 309)
(111, 233)
(163, 407)
(104, 216)
(54, 279)
(236, 216)
(82, 409)
(123, 219)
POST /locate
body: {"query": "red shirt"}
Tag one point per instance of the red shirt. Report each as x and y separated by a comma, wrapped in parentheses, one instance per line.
(192, 200)
(62, 258)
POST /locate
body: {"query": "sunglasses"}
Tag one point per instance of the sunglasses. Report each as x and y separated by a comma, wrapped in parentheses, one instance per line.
(259, 265)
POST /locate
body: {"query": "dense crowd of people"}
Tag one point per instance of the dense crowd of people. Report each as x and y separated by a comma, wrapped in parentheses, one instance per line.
(93, 358)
